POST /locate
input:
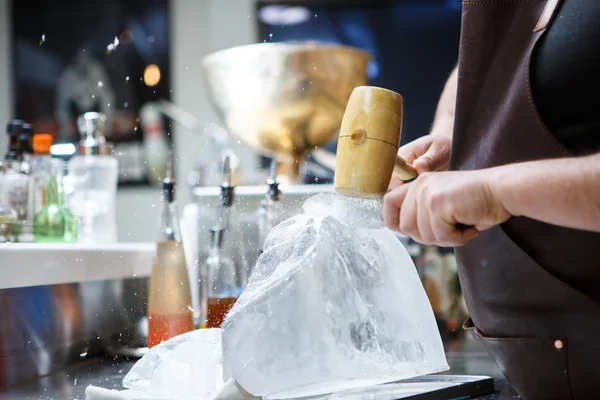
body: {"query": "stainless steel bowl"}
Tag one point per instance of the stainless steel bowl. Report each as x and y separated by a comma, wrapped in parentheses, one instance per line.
(284, 99)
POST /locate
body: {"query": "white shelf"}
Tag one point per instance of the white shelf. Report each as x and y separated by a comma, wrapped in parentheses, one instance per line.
(32, 264)
(261, 190)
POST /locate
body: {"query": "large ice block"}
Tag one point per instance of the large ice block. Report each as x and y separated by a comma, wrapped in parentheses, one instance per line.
(334, 303)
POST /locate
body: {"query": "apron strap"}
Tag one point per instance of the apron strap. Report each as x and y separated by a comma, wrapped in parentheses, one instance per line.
(547, 15)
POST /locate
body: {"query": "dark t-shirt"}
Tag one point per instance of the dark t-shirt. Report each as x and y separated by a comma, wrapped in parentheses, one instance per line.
(565, 76)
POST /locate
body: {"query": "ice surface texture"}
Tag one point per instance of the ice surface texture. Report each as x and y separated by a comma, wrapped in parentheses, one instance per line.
(334, 303)
(189, 365)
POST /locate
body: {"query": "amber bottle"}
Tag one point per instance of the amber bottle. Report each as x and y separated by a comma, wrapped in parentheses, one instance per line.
(169, 302)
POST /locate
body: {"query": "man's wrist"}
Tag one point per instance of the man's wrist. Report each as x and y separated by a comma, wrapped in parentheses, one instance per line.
(504, 184)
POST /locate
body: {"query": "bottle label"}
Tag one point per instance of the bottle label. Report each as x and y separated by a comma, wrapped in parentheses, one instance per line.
(17, 196)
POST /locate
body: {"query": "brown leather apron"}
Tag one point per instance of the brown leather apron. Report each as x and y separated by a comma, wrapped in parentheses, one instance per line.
(522, 280)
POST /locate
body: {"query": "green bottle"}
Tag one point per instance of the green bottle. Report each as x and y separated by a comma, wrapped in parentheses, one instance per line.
(55, 223)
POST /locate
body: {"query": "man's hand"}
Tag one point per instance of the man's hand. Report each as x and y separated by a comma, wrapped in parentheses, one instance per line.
(427, 154)
(430, 208)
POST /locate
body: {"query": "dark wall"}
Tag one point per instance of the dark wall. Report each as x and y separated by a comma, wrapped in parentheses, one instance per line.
(414, 42)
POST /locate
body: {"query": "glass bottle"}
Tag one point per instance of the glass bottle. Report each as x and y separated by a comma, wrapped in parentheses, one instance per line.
(456, 310)
(218, 286)
(43, 167)
(433, 268)
(227, 196)
(220, 282)
(269, 211)
(169, 304)
(14, 181)
(8, 216)
(54, 223)
(26, 148)
(93, 178)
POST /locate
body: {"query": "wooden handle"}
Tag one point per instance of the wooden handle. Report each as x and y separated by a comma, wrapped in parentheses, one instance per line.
(368, 143)
(403, 170)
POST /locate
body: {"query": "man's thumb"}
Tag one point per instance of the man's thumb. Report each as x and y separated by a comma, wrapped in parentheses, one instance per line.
(434, 159)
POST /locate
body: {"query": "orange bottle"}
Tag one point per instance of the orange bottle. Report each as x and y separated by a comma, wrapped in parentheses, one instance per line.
(169, 299)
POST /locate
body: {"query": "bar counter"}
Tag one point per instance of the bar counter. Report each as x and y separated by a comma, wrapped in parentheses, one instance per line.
(466, 357)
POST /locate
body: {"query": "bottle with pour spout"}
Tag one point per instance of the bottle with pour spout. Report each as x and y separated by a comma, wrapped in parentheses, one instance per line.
(169, 303)
(219, 289)
(269, 211)
(220, 285)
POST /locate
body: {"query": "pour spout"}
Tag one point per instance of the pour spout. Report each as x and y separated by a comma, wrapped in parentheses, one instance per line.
(168, 183)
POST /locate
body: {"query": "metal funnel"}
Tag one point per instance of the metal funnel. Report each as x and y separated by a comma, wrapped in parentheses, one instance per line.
(284, 99)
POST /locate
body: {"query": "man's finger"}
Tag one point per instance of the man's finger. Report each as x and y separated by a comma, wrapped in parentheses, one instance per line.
(462, 236)
(391, 215)
(392, 204)
(408, 216)
(407, 155)
(434, 159)
(395, 182)
(411, 151)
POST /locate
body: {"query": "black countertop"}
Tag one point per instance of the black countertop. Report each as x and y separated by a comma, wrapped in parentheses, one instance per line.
(466, 357)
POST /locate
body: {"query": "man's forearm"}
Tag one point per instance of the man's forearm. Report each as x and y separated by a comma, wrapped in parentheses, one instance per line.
(563, 192)
(443, 123)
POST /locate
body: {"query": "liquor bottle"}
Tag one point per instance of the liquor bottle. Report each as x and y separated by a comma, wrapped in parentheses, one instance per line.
(15, 180)
(8, 216)
(26, 148)
(437, 284)
(43, 167)
(93, 178)
(269, 211)
(457, 311)
(220, 281)
(156, 146)
(170, 304)
(219, 289)
(54, 222)
(227, 196)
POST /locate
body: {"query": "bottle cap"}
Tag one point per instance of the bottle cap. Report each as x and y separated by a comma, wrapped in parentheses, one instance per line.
(26, 138)
(91, 128)
(42, 143)
(14, 127)
(13, 130)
